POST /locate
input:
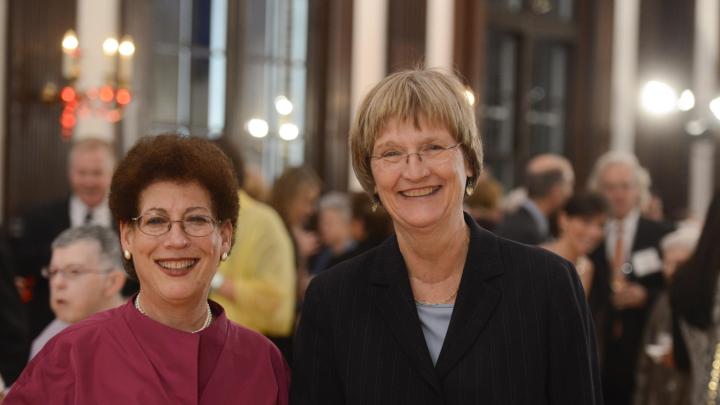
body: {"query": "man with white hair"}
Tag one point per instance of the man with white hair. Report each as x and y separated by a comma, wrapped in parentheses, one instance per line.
(86, 276)
(628, 271)
(91, 162)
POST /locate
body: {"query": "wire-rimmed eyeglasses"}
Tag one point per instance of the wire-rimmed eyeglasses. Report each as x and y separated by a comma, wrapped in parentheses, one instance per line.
(430, 154)
(193, 224)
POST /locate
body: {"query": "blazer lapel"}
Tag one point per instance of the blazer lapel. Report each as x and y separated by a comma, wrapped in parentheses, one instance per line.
(397, 308)
(477, 299)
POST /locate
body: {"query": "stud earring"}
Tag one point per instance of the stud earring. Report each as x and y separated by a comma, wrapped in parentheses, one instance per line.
(374, 206)
(127, 254)
(224, 256)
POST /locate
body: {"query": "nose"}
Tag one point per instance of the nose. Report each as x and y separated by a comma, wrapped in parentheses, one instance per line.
(176, 237)
(58, 281)
(415, 169)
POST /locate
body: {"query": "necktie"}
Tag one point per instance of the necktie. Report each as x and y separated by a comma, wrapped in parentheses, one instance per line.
(88, 218)
(619, 252)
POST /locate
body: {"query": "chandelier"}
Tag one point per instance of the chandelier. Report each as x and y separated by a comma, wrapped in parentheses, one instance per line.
(106, 100)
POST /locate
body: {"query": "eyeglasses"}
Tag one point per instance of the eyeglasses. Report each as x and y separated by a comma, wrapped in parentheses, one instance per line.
(69, 273)
(192, 225)
(429, 154)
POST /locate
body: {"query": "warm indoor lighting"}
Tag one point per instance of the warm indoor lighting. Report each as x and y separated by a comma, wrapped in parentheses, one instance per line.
(126, 47)
(283, 105)
(470, 96)
(257, 127)
(658, 97)
(288, 132)
(70, 41)
(686, 102)
(715, 107)
(695, 127)
(110, 46)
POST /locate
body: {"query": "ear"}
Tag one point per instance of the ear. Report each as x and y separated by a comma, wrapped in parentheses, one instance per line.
(126, 235)
(115, 282)
(226, 233)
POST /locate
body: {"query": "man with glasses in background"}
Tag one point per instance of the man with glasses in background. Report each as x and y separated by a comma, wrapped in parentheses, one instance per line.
(86, 276)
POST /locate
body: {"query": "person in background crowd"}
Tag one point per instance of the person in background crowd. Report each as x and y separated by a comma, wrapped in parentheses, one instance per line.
(484, 203)
(86, 276)
(254, 183)
(175, 199)
(256, 284)
(90, 168)
(580, 224)
(334, 227)
(294, 196)
(443, 312)
(628, 271)
(695, 301)
(14, 331)
(660, 380)
(549, 183)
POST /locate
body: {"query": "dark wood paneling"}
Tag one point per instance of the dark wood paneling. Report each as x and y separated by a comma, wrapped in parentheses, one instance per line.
(406, 34)
(328, 90)
(35, 154)
(666, 53)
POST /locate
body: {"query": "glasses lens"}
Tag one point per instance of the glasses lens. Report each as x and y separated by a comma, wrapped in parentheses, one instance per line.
(154, 224)
(198, 225)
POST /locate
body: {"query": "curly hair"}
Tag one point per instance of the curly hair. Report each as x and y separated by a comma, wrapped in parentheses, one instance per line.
(179, 159)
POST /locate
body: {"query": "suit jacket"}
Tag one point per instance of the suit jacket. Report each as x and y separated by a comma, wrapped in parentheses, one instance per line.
(620, 332)
(521, 226)
(520, 333)
(40, 227)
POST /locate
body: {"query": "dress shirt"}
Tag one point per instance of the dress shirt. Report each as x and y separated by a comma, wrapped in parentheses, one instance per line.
(629, 228)
(100, 214)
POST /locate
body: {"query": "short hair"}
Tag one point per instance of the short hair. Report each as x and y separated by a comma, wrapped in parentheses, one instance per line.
(105, 237)
(91, 144)
(174, 158)
(539, 184)
(427, 95)
(226, 145)
(585, 205)
(337, 201)
(640, 174)
(287, 187)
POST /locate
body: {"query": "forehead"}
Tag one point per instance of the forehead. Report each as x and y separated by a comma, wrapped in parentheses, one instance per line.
(173, 196)
(97, 156)
(82, 252)
(409, 131)
(618, 172)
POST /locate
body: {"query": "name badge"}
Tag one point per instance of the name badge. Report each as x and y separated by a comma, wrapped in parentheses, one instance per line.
(646, 261)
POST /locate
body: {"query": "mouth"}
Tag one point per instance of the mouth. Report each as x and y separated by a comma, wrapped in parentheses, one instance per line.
(177, 267)
(420, 192)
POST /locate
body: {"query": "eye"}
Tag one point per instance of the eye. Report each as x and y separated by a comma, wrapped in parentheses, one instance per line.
(155, 220)
(73, 272)
(198, 220)
(390, 154)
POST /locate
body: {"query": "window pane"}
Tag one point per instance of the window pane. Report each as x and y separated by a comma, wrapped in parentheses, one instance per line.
(547, 97)
(199, 92)
(166, 17)
(498, 111)
(164, 88)
(201, 23)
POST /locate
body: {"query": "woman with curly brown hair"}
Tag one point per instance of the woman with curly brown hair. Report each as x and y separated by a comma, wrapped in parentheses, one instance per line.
(175, 200)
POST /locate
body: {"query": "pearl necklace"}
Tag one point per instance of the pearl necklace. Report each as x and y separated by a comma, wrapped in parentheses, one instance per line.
(208, 318)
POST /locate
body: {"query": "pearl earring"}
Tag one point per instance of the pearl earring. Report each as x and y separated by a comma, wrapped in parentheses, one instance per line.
(224, 256)
(127, 254)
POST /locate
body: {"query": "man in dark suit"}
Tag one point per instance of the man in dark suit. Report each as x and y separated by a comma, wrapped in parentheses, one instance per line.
(90, 166)
(627, 274)
(549, 182)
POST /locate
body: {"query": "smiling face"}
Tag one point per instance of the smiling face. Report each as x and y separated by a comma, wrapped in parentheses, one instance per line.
(419, 193)
(175, 267)
(582, 233)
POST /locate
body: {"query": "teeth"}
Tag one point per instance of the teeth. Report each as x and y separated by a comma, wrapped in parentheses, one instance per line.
(177, 264)
(418, 192)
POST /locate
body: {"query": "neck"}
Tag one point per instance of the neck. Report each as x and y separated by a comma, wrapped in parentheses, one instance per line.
(434, 255)
(185, 316)
(563, 248)
(338, 247)
(544, 206)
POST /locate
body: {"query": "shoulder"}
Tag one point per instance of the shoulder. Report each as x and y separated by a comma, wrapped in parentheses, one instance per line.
(244, 340)
(259, 214)
(533, 264)
(656, 227)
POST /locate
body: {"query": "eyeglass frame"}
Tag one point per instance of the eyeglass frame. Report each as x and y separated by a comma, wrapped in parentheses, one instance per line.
(213, 221)
(47, 274)
(419, 154)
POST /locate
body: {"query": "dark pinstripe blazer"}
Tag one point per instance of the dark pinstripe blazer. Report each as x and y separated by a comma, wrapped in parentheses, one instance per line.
(520, 333)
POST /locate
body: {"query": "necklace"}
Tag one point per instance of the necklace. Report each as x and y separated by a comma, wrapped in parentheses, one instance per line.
(208, 318)
(445, 301)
